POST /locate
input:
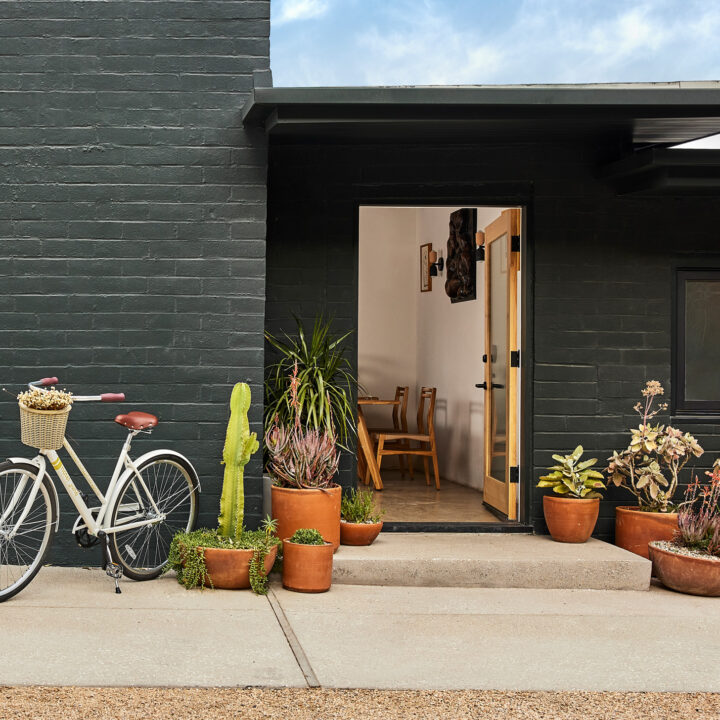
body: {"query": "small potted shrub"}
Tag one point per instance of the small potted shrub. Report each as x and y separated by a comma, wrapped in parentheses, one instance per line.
(303, 463)
(649, 468)
(690, 563)
(360, 521)
(307, 562)
(571, 517)
(230, 557)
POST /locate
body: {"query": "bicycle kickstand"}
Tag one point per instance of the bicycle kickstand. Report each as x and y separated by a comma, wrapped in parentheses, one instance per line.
(112, 569)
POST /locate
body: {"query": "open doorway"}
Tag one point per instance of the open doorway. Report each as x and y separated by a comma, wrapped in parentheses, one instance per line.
(438, 357)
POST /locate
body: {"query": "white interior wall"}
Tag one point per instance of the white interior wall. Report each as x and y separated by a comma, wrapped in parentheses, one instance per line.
(388, 282)
(409, 337)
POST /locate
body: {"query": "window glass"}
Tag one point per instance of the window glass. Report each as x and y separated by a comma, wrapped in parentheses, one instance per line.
(702, 339)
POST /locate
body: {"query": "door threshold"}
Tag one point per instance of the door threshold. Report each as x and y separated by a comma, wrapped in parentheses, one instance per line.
(457, 527)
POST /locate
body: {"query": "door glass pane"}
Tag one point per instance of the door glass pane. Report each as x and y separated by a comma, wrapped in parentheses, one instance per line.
(497, 257)
(702, 340)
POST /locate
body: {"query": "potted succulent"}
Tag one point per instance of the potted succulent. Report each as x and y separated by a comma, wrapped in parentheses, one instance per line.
(303, 463)
(571, 517)
(231, 556)
(690, 563)
(649, 468)
(314, 366)
(307, 562)
(360, 521)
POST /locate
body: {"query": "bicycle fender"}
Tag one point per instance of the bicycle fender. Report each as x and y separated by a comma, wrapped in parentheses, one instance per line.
(53, 489)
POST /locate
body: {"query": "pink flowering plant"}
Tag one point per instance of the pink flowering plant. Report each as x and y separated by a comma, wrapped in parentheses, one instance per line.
(650, 466)
(300, 457)
(699, 517)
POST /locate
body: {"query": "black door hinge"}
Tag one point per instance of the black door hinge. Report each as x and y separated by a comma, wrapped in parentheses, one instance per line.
(515, 358)
(515, 243)
(514, 474)
(480, 253)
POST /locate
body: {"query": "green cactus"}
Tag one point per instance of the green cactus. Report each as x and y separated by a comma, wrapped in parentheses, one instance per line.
(240, 444)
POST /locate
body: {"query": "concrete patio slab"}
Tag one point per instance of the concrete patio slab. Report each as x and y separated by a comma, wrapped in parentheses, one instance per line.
(68, 627)
(509, 639)
(490, 560)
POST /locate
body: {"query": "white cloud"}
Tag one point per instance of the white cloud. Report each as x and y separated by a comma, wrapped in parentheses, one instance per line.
(431, 42)
(291, 10)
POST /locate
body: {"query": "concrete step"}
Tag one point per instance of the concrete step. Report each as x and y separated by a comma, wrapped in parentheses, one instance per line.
(490, 560)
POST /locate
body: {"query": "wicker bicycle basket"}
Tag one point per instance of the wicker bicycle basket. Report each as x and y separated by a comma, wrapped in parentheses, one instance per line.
(43, 429)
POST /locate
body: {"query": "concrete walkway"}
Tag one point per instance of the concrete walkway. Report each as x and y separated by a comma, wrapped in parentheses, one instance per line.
(69, 628)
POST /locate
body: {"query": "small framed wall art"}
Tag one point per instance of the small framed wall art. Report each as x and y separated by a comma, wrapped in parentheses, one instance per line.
(425, 279)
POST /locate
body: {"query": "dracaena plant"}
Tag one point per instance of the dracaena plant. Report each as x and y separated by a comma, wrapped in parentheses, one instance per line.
(574, 478)
(650, 466)
(325, 383)
(299, 457)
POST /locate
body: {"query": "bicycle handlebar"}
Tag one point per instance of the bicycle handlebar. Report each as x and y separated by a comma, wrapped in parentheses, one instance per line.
(105, 397)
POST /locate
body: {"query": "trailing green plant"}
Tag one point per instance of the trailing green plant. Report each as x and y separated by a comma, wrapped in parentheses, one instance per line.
(240, 444)
(572, 477)
(307, 536)
(358, 506)
(699, 517)
(187, 554)
(325, 383)
(654, 453)
(298, 457)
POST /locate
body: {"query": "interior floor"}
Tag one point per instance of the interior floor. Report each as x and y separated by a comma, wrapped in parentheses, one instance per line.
(406, 500)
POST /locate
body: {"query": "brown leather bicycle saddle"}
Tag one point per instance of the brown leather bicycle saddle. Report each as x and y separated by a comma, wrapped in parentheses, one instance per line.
(137, 420)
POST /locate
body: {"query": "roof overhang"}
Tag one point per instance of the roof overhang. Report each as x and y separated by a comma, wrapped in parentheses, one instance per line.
(635, 115)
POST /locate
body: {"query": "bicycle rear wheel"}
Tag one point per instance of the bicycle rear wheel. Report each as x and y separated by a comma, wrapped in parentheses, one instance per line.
(173, 486)
(23, 547)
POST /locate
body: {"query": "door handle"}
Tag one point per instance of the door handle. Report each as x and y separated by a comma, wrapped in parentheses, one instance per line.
(483, 385)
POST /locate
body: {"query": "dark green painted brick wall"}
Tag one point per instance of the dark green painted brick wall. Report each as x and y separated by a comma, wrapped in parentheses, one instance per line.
(602, 267)
(132, 221)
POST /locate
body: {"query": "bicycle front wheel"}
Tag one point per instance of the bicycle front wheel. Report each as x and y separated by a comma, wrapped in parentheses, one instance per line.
(169, 487)
(24, 542)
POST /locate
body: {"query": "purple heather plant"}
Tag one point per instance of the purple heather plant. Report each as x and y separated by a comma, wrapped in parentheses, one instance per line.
(300, 457)
(654, 450)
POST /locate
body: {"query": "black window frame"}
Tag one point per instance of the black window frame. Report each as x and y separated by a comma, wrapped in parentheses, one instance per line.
(681, 405)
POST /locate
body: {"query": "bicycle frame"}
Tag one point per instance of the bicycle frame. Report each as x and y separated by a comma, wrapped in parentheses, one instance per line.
(93, 524)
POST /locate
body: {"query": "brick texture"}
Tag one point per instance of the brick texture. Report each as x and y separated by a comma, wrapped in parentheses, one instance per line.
(132, 222)
(602, 266)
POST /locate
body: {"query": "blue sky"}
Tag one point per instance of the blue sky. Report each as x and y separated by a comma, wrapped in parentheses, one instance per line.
(431, 42)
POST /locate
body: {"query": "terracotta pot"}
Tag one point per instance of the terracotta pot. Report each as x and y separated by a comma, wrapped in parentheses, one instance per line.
(684, 573)
(570, 520)
(313, 509)
(359, 533)
(229, 569)
(307, 568)
(634, 528)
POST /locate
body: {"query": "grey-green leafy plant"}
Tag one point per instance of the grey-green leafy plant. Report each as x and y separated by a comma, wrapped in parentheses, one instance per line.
(307, 536)
(325, 381)
(358, 506)
(654, 452)
(572, 477)
(187, 554)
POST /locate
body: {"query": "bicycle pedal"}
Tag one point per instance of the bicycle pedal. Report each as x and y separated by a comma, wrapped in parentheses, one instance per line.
(114, 571)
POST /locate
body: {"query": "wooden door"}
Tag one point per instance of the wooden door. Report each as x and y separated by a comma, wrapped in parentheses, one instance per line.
(502, 263)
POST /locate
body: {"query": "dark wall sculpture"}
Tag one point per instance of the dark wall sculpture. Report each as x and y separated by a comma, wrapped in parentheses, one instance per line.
(460, 283)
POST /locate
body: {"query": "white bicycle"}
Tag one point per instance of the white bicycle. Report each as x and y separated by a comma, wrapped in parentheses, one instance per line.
(147, 501)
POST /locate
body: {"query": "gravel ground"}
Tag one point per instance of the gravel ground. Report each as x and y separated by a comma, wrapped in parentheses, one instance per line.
(37, 703)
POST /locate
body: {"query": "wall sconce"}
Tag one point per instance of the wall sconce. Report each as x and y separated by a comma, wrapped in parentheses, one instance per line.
(480, 249)
(435, 263)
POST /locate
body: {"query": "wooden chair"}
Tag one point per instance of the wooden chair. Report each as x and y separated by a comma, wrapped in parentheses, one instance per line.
(401, 443)
(399, 424)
